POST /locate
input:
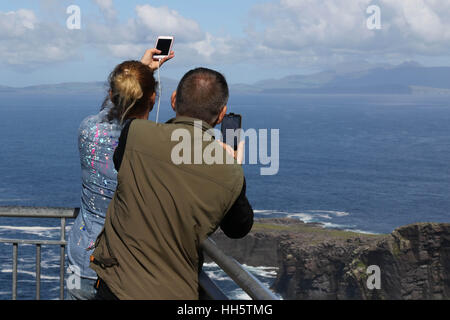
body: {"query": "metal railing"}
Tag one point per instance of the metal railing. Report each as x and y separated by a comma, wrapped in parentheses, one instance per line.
(54, 213)
(245, 280)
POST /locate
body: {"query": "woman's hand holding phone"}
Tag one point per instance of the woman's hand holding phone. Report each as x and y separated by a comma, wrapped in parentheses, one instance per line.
(153, 63)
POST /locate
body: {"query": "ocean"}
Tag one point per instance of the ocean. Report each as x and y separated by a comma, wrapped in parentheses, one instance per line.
(366, 163)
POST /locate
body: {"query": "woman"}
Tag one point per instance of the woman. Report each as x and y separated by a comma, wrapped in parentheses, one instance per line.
(132, 93)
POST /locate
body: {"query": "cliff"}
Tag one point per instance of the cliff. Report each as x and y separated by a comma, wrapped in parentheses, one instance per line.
(318, 263)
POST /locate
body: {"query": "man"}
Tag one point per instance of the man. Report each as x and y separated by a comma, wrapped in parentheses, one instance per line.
(162, 211)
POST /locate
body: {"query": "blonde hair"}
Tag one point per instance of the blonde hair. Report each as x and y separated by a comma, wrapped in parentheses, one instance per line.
(131, 86)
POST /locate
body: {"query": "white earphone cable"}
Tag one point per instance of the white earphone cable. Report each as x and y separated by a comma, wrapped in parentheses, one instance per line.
(160, 92)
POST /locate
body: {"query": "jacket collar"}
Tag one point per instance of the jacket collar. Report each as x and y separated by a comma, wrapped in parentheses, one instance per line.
(191, 121)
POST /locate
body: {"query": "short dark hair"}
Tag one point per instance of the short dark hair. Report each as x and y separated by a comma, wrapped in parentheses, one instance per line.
(201, 94)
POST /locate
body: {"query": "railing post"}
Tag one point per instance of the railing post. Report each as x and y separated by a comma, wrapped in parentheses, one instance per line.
(38, 272)
(62, 259)
(14, 271)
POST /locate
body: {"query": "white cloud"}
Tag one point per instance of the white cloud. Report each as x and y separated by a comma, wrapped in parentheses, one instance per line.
(423, 21)
(131, 38)
(16, 23)
(126, 50)
(107, 8)
(164, 21)
(26, 41)
(325, 31)
(286, 33)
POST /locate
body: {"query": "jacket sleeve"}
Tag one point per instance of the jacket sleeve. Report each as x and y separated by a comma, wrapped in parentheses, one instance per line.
(238, 221)
(120, 149)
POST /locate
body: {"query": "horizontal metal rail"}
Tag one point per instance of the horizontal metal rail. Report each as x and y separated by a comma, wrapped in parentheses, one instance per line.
(34, 242)
(245, 280)
(38, 212)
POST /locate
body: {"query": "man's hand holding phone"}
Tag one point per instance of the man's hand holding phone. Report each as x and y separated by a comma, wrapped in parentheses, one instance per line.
(237, 154)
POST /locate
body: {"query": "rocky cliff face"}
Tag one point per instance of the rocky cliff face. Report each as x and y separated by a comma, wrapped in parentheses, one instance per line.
(318, 263)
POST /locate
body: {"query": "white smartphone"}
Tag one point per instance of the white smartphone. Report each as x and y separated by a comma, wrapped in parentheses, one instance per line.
(164, 44)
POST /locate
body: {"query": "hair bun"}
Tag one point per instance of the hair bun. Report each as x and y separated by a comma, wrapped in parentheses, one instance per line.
(127, 86)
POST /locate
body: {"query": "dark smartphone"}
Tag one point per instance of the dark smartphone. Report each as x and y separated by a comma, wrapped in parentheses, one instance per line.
(234, 122)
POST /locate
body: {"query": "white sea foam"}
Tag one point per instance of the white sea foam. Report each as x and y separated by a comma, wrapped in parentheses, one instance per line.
(37, 231)
(335, 213)
(330, 225)
(8, 200)
(5, 295)
(264, 212)
(30, 273)
(361, 231)
(210, 264)
(240, 295)
(266, 272)
(263, 271)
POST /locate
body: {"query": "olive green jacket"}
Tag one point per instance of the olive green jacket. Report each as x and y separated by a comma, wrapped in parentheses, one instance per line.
(162, 211)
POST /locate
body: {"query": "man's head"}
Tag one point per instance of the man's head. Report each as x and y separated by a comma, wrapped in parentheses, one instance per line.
(202, 94)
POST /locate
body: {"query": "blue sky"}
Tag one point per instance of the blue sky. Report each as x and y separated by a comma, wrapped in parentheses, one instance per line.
(247, 40)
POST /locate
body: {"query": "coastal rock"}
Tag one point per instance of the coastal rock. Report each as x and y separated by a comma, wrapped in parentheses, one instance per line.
(318, 263)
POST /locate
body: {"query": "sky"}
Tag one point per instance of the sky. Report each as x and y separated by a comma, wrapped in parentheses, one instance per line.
(246, 40)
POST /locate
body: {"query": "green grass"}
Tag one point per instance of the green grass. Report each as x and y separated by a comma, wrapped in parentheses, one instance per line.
(306, 229)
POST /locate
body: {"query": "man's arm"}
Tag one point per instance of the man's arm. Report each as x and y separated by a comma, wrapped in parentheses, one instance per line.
(120, 149)
(238, 221)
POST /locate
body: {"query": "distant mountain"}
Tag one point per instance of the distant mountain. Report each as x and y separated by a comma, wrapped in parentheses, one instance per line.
(89, 92)
(61, 89)
(407, 78)
(299, 81)
(406, 75)
(82, 88)
(5, 89)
